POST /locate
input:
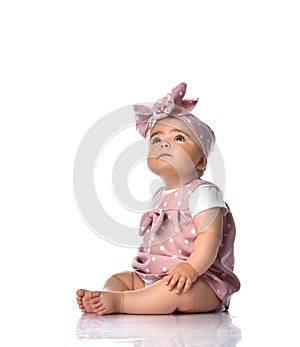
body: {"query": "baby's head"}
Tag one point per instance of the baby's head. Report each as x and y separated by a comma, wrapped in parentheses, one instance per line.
(171, 116)
(174, 151)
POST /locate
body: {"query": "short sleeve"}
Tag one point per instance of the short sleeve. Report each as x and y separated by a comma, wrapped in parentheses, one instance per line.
(205, 197)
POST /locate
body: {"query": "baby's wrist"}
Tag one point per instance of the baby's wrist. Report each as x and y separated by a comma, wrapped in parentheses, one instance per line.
(193, 267)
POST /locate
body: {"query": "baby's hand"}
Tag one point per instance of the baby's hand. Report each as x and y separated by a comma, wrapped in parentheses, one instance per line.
(182, 276)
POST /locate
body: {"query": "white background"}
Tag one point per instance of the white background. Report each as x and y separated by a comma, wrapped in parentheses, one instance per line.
(65, 64)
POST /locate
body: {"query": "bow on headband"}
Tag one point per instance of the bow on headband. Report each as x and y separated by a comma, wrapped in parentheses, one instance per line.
(171, 105)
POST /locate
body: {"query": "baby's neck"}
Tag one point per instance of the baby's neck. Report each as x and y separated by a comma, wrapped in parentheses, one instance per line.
(175, 184)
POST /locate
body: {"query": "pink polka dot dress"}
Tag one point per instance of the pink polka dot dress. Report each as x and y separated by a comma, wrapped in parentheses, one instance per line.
(168, 234)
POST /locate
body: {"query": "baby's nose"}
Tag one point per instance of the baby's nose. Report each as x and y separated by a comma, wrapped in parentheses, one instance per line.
(164, 144)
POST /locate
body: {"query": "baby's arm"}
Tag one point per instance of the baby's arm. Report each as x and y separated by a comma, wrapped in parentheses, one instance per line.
(208, 225)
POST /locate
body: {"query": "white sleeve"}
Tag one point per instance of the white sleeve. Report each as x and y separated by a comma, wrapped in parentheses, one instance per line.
(205, 197)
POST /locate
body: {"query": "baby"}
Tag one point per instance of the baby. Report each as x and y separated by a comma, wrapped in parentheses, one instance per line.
(186, 261)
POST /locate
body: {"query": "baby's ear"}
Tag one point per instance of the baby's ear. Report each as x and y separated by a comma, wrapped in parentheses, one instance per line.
(201, 166)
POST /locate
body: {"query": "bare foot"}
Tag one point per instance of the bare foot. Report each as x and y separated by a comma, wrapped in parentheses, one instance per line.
(101, 303)
(83, 300)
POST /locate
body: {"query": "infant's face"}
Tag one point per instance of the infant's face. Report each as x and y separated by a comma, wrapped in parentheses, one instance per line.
(173, 150)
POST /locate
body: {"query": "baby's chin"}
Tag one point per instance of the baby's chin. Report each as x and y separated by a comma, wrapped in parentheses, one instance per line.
(161, 166)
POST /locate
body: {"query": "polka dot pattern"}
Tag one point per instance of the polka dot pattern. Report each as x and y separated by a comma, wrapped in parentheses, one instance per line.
(169, 233)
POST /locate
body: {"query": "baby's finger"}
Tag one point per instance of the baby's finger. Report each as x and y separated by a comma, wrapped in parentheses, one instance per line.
(187, 286)
(167, 279)
(173, 281)
(180, 285)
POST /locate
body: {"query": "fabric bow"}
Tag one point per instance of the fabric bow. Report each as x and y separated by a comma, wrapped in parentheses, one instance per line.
(152, 219)
(171, 105)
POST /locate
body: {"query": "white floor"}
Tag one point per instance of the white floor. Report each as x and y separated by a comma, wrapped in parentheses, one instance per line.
(217, 329)
(255, 328)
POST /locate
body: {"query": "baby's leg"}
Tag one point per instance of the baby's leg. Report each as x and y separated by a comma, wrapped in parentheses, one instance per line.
(119, 282)
(155, 299)
(158, 299)
(124, 281)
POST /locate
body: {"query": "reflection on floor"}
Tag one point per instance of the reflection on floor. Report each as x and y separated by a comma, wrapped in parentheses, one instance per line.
(212, 329)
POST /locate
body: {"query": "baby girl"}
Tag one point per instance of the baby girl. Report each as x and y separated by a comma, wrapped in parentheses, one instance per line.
(185, 263)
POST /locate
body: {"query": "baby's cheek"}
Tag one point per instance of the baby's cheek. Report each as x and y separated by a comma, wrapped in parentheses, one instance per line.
(154, 164)
(184, 161)
(150, 162)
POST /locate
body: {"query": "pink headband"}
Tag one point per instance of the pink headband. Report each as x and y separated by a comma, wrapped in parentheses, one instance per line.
(173, 105)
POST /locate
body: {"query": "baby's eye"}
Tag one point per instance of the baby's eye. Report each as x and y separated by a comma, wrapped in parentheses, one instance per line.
(155, 140)
(179, 138)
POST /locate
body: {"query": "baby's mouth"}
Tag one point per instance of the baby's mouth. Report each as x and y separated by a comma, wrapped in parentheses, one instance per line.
(164, 155)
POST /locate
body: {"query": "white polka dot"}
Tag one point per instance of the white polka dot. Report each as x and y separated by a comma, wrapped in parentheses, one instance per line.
(153, 258)
(218, 291)
(165, 204)
(189, 185)
(228, 225)
(193, 231)
(174, 256)
(179, 203)
(162, 248)
(176, 194)
(164, 269)
(179, 251)
(186, 241)
(142, 228)
(177, 229)
(163, 227)
(152, 238)
(169, 217)
(189, 120)
(147, 270)
(171, 240)
(190, 192)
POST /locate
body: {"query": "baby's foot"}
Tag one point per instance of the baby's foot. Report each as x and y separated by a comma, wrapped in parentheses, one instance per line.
(83, 300)
(101, 303)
